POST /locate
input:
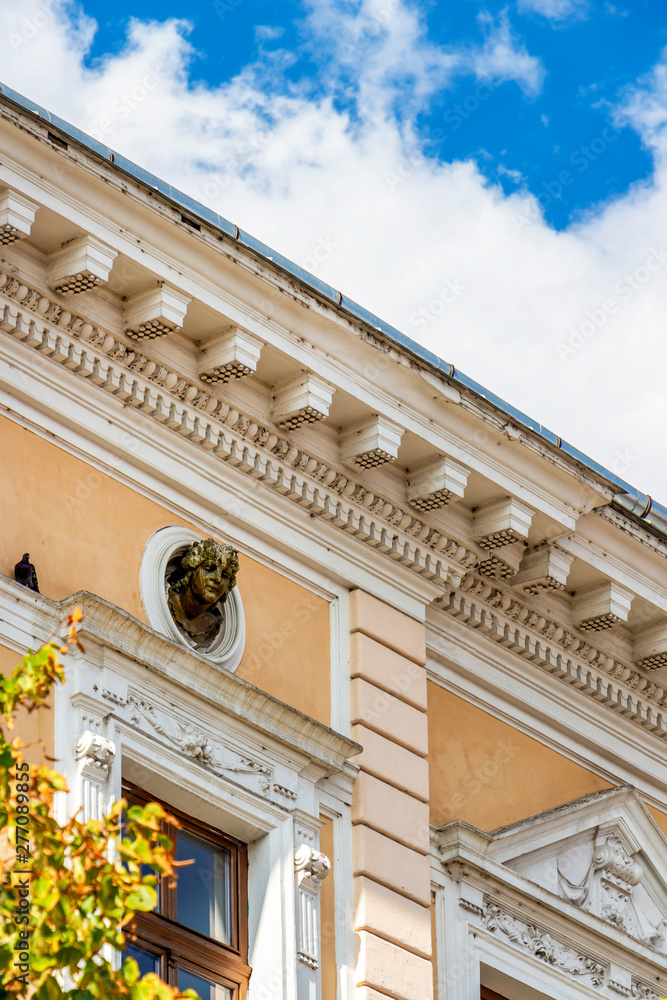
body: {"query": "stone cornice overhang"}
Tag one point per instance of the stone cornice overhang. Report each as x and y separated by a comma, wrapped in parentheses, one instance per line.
(108, 626)
(267, 458)
(34, 324)
(500, 616)
(296, 282)
(460, 850)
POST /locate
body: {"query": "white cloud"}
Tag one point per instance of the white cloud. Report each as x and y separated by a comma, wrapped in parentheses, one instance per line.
(268, 33)
(645, 107)
(503, 57)
(514, 175)
(566, 326)
(556, 10)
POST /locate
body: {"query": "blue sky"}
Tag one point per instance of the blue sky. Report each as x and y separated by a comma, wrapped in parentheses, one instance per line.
(489, 177)
(590, 53)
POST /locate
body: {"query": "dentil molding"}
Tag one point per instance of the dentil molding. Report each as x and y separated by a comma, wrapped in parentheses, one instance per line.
(500, 616)
(271, 460)
(205, 420)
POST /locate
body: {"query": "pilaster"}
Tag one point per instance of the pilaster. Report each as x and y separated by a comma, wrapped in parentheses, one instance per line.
(390, 818)
(311, 866)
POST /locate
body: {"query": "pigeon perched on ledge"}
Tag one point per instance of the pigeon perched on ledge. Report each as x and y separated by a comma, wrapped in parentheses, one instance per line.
(24, 573)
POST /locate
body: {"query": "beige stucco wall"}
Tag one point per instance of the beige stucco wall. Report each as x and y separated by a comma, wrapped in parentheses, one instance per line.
(83, 530)
(486, 773)
(287, 649)
(86, 531)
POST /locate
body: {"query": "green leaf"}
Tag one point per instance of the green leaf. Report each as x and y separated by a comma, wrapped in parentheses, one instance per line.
(142, 897)
(130, 971)
(80, 899)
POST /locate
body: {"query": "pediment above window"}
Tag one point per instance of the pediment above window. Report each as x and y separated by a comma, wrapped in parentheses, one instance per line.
(603, 853)
(596, 866)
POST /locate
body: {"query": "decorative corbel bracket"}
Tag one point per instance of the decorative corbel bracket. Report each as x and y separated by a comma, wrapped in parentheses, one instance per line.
(304, 399)
(650, 647)
(96, 754)
(310, 868)
(155, 312)
(601, 607)
(502, 563)
(229, 355)
(545, 568)
(17, 214)
(434, 483)
(79, 265)
(501, 522)
(370, 442)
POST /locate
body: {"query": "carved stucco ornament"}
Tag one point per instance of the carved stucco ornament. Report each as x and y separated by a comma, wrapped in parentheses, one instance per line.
(311, 863)
(96, 754)
(194, 743)
(541, 945)
(607, 891)
(198, 584)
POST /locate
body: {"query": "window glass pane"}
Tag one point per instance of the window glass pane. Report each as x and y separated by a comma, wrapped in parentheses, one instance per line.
(204, 987)
(203, 891)
(146, 960)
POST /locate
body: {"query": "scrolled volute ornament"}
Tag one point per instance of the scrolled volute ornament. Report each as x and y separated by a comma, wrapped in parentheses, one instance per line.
(198, 587)
(309, 862)
(612, 857)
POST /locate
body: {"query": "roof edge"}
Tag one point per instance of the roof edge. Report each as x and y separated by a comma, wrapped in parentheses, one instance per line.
(628, 499)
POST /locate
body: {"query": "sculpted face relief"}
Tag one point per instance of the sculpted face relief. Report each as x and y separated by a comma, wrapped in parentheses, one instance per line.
(198, 587)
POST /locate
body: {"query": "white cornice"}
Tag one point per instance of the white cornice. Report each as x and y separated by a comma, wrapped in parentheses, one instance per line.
(158, 464)
(192, 413)
(620, 558)
(514, 472)
(498, 615)
(38, 332)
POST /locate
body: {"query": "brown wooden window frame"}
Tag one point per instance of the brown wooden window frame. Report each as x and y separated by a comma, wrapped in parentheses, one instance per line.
(177, 945)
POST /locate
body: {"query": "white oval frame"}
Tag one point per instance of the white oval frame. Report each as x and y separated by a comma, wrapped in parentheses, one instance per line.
(227, 649)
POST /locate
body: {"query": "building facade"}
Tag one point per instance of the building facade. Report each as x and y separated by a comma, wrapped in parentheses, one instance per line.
(418, 750)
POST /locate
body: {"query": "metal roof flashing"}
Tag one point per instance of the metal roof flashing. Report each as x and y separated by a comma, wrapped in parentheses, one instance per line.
(632, 502)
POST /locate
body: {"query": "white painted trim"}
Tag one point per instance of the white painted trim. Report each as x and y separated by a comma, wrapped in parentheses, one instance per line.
(469, 885)
(340, 662)
(340, 816)
(203, 740)
(27, 619)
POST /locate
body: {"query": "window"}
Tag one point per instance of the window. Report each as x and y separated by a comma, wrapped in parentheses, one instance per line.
(197, 937)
